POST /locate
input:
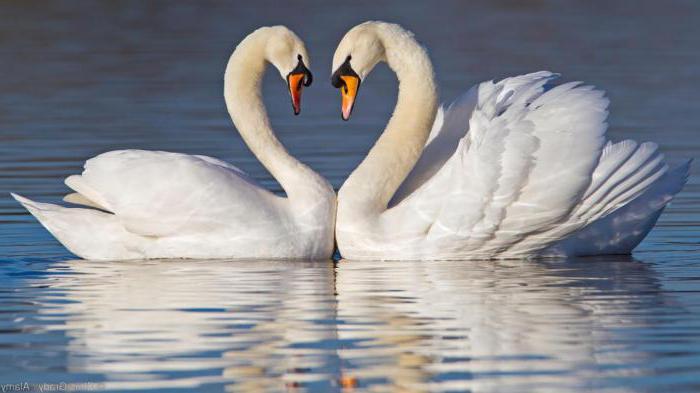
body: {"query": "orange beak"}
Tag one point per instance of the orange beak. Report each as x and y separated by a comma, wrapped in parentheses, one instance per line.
(348, 93)
(296, 85)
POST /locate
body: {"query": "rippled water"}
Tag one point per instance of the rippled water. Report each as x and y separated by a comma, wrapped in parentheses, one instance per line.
(484, 326)
(77, 81)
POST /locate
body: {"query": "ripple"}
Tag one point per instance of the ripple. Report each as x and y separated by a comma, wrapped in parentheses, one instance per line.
(478, 326)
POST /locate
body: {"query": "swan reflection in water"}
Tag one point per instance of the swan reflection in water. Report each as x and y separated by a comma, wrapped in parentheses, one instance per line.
(410, 326)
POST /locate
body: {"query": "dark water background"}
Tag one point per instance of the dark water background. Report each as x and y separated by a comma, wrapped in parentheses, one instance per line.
(81, 78)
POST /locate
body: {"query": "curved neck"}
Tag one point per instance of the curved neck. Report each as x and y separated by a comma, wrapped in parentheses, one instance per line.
(372, 184)
(242, 91)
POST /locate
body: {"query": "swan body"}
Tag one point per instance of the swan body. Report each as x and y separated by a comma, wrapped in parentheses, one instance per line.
(516, 168)
(151, 204)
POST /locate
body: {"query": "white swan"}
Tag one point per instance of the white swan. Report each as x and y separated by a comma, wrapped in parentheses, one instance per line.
(511, 169)
(168, 205)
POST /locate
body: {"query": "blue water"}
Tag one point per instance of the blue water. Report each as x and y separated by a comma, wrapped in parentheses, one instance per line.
(82, 78)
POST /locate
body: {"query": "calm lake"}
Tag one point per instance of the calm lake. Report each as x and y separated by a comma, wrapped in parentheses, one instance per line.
(78, 79)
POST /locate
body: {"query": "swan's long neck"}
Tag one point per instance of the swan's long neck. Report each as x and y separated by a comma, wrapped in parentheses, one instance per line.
(242, 91)
(371, 186)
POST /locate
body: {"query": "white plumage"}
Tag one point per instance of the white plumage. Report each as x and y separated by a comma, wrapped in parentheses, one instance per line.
(516, 168)
(156, 204)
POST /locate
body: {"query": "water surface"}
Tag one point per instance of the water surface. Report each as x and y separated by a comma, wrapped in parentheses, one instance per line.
(80, 80)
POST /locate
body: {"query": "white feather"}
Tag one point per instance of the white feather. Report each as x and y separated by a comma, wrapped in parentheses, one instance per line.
(168, 205)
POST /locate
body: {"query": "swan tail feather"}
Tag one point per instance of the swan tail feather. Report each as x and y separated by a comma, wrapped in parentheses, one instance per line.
(79, 184)
(79, 199)
(622, 230)
(627, 174)
(625, 171)
(87, 233)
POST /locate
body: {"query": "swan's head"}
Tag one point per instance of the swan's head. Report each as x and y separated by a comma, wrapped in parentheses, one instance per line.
(286, 52)
(357, 54)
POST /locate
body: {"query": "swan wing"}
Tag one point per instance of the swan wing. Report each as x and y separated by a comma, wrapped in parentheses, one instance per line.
(524, 162)
(155, 193)
(452, 124)
(620, 231)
